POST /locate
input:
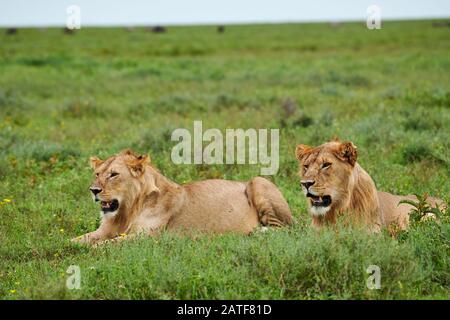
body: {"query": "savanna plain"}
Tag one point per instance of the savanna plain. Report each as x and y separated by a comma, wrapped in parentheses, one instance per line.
(65, 97)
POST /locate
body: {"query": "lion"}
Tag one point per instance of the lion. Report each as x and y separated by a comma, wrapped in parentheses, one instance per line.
(135, 198)
(334, 184)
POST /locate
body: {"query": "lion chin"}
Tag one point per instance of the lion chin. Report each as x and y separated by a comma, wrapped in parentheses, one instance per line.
(336, 185)
(319, 211)
(135, 198)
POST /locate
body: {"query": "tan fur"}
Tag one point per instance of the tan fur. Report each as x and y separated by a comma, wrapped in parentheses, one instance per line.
(351, 188)
(149, 202)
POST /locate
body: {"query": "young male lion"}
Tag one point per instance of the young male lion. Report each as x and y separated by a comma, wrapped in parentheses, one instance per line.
(135, 198)
(335, 183)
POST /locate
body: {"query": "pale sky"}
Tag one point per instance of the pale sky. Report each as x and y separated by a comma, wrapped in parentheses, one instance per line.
(173, 12)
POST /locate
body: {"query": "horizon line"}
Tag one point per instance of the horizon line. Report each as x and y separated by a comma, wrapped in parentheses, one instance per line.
(225, 23)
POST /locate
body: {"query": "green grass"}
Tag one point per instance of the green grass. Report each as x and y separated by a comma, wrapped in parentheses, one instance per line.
(64, 98)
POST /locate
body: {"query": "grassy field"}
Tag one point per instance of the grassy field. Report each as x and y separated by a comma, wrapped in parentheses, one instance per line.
(64, 98)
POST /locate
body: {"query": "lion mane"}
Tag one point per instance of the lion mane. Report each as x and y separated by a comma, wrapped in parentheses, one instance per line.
(336, 185)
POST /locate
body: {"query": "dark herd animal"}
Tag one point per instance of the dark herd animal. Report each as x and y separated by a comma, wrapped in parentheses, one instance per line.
(220, 28)
(441, 24)
(68, 31)
(155, 29)
(11, 31)
(158, 29)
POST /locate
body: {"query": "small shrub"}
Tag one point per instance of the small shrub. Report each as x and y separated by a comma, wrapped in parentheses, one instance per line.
(430, 238)
(154, 141)
(56, 61)
(82, 109)
(44, 151)
(429, 98)
(303, 121)
(421, 208)
(289, 107)
(334, 77)
(327, 118)
(420, 119)
(416, 152)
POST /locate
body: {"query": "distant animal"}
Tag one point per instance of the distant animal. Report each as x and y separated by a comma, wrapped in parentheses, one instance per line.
(335, 24)
(221, 29)
(159, 29)
(335, 184)
(68, 31)
(11, 31)
(441, 24)
(136, 199)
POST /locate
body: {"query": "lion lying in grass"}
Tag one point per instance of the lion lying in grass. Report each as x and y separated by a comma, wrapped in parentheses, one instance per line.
(335, 183)
(135, 198)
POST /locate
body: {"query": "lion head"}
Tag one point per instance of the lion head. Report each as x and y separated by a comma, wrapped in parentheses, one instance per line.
(326, 174)
(120, 180)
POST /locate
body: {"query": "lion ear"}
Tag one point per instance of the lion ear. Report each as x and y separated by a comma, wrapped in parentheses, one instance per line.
(347, 152)
(137, 164)
(152, 185)
(95, 162)
(301, 151)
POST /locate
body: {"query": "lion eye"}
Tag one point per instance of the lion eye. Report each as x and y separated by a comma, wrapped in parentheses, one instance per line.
(113, 174)
(96, 175)
(305, 167)
(326, 165)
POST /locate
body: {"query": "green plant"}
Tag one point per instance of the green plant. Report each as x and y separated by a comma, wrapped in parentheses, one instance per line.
(421, 208)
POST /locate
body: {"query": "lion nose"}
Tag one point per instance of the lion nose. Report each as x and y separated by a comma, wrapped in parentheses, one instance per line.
(95, 191)
(307, 183)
